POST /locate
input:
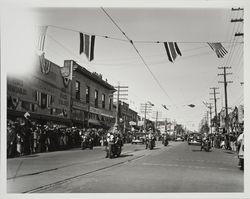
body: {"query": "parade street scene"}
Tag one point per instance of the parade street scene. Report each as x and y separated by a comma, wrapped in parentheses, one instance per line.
(124, 100)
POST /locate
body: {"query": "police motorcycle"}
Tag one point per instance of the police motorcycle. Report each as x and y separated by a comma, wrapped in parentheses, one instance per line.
(165, 140)
(87, 142)
(114, 144)
(150, 140)
(206, 144)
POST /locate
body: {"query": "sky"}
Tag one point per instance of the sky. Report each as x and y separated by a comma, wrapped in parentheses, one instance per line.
(186, 81)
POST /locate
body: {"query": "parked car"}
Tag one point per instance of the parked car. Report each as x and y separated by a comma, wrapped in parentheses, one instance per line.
(138, 140)
(179, 138)
(194, 138)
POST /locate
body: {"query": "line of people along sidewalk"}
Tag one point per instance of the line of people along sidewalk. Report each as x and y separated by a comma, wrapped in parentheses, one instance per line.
(26, 137)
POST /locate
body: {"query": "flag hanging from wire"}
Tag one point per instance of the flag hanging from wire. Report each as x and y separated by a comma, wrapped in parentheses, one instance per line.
(164, 106)
(41, 38)
(172, 50)
(87, 43)
(218, 49)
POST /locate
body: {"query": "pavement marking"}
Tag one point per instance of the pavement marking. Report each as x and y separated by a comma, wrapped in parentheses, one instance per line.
(18, 168)
(30, 174)
(56, 168)
(205, 161)
(44, 187)
(185, 166)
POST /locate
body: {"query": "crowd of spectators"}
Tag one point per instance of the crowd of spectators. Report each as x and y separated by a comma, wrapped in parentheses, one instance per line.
(225, 141)
(26, 137)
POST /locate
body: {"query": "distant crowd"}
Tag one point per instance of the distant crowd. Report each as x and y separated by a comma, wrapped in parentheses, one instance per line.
(26, 137)
(225, 141)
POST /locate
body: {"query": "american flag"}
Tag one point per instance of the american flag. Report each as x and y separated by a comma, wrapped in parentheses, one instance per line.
(218, 49)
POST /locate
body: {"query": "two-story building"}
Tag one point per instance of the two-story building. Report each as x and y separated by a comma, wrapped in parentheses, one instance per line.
(127, 115)
(85, 101)
(92, 101)
(42, 93)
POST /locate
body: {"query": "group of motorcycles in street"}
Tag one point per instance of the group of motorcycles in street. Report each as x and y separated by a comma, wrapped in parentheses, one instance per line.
(114, 143)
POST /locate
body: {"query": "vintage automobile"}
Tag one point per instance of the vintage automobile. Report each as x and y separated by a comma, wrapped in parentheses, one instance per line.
(194, 138)
(179, 138)
(138, 140)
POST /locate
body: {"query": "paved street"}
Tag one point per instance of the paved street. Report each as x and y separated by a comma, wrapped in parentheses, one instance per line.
(175, 168)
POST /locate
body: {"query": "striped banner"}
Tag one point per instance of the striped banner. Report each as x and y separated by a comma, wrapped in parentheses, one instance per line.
(41, 39)
(218, 49)
(87, 44)
(172, 50)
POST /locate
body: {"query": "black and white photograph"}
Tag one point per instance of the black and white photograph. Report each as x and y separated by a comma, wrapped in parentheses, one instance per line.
(117, 99)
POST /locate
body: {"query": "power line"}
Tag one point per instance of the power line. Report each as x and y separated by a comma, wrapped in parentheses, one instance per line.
(138, 54)
(134, 41)
(72, 30)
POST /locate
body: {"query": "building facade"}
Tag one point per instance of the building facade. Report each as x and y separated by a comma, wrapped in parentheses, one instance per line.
(85, 101)
(41, 93)
(92, 99)
(127, 115)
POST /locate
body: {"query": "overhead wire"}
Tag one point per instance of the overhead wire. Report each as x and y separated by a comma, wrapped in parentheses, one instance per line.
(142, 42)
(157, 81)
(124, 40)
(72, 53)
(231, 50)
(234, 52)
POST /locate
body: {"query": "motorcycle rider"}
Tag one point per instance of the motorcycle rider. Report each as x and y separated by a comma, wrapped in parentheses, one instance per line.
(165, 139)
(111, 137)
(149, 137)
(204, 140)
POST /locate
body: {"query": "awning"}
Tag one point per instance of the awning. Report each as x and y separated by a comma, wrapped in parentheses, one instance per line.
(40, 117)
(94, 122)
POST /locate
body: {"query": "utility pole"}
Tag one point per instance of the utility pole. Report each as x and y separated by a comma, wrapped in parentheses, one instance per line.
(237, 9)
(225, 88)
(215, 103)
(146, 108)
(238, 34)
(210, 113)
(120, 95)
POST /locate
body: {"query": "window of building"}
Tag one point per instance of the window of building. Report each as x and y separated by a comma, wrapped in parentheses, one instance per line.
(110, 104)
(87, 94)
(96, 98)
(103, 100)
(77, 90)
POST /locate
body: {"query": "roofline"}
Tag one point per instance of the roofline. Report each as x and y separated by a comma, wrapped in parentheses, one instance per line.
(90, 75)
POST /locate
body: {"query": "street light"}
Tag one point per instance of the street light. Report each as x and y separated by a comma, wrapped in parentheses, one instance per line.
(150, 103)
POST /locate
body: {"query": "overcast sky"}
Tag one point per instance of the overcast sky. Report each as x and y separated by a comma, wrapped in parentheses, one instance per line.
(185, 81)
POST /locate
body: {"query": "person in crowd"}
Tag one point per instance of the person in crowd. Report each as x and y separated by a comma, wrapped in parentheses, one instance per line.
(11, 139)
(239, 140)
(25, 137)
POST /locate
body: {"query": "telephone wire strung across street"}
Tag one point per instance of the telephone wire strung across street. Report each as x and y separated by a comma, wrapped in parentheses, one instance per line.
(157, 81)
